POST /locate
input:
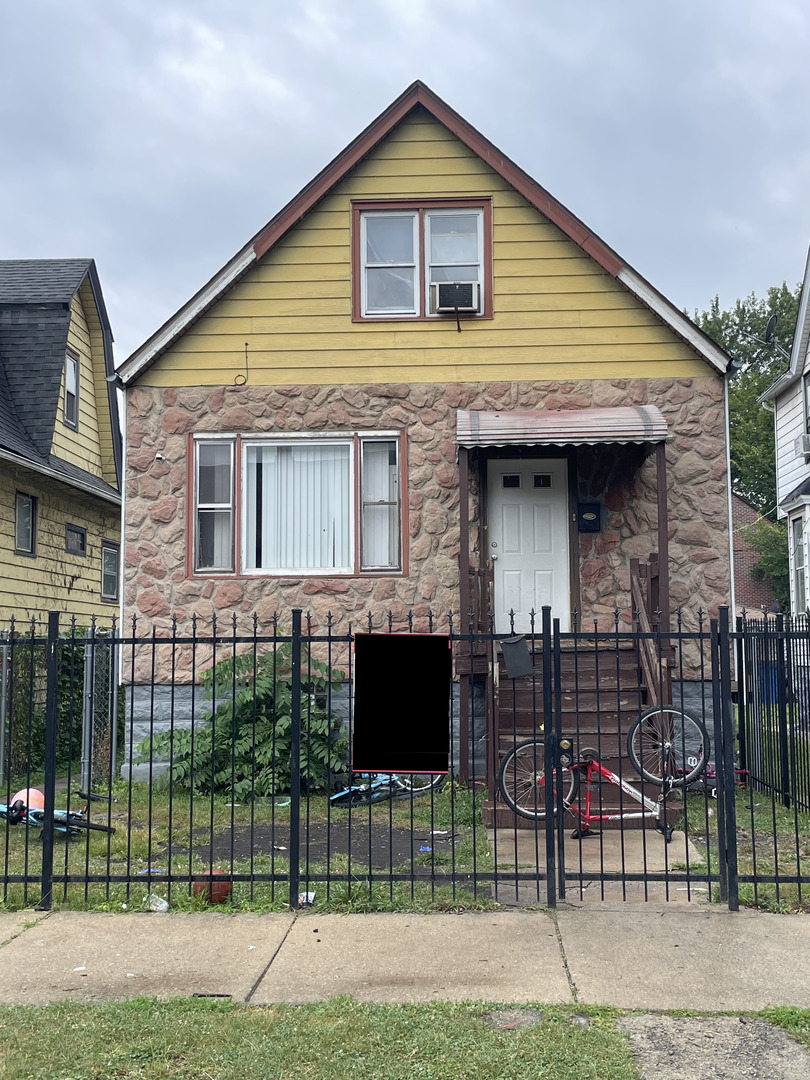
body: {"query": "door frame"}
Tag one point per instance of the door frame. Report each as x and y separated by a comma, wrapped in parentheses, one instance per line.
(523, 452)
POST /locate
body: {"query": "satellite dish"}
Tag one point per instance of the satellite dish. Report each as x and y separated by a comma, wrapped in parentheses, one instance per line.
(769, 329)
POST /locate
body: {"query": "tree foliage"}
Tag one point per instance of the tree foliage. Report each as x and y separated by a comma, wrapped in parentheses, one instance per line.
(740, 330)
(769, 540)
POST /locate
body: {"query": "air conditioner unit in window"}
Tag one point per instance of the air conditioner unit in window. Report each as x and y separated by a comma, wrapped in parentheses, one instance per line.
(449, 296)
(804, 446)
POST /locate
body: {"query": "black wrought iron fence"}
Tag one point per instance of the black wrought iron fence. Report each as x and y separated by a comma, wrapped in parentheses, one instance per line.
(607, 761)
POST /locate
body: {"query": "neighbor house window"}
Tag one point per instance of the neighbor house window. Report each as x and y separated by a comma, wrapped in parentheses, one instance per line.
(76, 540)
(72, 391)
(109, 570)
(799, 565)
(401, 249)
(306, 506)
(25, 524)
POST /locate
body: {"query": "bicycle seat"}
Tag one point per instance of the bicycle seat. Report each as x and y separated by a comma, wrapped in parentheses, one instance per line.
(15, 812)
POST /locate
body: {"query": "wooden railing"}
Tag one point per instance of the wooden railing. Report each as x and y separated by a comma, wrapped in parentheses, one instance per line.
(652, 652)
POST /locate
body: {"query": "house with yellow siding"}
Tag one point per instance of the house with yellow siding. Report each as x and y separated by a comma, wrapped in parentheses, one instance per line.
(425, 386)
(60, 444)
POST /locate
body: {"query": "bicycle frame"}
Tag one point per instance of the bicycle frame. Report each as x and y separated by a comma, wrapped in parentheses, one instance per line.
(582, 808)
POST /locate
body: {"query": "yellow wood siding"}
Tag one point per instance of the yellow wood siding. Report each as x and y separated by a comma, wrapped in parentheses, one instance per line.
(556, 313)
(99, 376)
(81, 447)
(53, 579)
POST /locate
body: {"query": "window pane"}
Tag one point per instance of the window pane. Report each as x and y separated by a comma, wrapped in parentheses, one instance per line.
(380, 493)
(214, 540)
(109, 573)
(214, 474)
(25, 523)
(390, 290)
(76, 540)
(389, 239)
(799, 565)
(454, 238)
(298, 507)
(454, 273)
(71, 366)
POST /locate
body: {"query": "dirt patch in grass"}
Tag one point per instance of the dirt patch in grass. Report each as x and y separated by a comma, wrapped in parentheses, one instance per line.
(377, 845)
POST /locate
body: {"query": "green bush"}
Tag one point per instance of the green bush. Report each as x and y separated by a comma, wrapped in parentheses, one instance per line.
(246, 746)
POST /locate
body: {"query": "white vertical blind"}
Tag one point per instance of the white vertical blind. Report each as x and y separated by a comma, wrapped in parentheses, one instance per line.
(298, 507)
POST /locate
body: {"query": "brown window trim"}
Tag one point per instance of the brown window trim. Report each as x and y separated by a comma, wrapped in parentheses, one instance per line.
(360, 206)
(238, 574)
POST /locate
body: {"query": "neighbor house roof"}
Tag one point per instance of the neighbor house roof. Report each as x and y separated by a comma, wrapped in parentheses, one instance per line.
(418, 94)
(801, 341)
(35, 313)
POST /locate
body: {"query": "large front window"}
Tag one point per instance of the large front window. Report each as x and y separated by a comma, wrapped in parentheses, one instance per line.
(405, 248)
(306, 506)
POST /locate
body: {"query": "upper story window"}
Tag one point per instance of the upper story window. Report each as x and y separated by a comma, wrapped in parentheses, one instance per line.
(25, 531)
(402, 250)
(72, 390)
(305, 506)
(806, 385)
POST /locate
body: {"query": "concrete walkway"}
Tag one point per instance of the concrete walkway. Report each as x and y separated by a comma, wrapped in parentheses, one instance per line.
(635, 956)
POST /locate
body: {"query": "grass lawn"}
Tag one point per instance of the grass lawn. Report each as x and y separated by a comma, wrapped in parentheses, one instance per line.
(199, 1040)
(162, 828)
(194, 1039)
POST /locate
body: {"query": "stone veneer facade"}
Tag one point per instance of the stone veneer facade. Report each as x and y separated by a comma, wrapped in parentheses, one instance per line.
(159, 421)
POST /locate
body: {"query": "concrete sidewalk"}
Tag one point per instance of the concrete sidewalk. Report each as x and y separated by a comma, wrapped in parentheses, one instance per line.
(635, 956)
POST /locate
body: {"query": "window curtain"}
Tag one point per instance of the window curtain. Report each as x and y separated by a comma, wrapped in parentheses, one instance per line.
(298, 507)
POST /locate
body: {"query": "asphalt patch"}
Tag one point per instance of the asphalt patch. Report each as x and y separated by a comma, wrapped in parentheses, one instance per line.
(713, 1048)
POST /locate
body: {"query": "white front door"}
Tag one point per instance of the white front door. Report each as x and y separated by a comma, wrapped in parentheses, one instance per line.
(528, 540)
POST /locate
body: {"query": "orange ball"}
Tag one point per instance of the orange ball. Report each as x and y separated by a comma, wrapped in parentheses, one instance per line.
(216, 890)
(32, 797)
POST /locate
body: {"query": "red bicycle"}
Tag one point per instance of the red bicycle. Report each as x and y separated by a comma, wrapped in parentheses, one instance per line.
(666, 747)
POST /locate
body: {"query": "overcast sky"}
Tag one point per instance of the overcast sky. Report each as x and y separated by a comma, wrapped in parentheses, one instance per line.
(158, 136)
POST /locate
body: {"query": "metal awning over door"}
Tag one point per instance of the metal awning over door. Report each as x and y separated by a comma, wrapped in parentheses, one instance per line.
(570, 427)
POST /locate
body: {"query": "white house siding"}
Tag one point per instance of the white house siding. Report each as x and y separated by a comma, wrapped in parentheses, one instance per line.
(791, 468)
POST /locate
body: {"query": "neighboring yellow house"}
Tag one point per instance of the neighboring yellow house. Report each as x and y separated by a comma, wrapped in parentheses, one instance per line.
(60, 444)
(425, 385)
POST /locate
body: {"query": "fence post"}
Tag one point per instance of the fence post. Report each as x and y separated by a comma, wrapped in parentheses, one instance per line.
(782, 711)
(727, 766)
(3, 700)
(717, 738)
(550, 747)
(295, 761)
(52, 672)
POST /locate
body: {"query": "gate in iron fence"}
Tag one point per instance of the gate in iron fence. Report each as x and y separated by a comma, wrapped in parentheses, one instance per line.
(625, 762)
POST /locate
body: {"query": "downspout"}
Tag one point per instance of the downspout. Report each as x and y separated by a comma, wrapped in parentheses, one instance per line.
(733, 597)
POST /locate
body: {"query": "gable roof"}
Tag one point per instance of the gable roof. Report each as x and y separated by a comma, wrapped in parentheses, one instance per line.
(801, 341)
(417, 94)
(35, 313)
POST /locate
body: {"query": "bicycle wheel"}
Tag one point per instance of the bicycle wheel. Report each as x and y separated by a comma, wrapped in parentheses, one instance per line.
(420, 783)
(667, 745)
(522, 780)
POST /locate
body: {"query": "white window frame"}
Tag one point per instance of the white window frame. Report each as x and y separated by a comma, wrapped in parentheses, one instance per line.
(71, 413)
(450, 212)
(798, 565)
(421, 216)
(223, 507)
(109, 548)
(366, 266)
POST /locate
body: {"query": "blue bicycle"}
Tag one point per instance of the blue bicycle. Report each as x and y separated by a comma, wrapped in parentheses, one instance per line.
(378, 787)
